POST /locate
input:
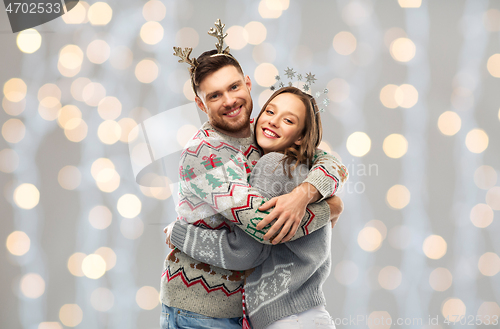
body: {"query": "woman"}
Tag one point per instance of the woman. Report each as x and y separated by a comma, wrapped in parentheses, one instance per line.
(283, 287)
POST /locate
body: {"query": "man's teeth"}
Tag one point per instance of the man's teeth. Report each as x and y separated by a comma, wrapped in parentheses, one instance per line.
(270, 133)
(233, 112)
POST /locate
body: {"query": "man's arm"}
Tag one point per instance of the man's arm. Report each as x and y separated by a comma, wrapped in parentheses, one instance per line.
(325, 178)
(213, 173)
(230, 250)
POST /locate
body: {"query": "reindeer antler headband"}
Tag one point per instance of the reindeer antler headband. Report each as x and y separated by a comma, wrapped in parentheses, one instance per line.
(218, 32)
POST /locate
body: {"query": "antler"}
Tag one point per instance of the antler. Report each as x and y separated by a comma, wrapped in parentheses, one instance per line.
(184, 55)
(218, 32)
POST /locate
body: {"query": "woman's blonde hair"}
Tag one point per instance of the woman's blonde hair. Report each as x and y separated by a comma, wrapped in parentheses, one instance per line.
(311, 133)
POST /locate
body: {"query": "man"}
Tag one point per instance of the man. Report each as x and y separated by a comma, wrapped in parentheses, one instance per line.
(214, 193)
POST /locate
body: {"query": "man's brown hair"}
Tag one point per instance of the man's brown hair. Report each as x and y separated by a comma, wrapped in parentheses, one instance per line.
(208, 64)
(311, 134)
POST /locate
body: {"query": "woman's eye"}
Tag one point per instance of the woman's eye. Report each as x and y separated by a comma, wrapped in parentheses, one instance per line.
(288, 121)
(269, 112)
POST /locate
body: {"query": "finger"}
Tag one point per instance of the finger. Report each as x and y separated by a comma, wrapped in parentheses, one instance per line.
(292, 232)
(269, 204)
(165, 229)
(284, 231)
(268, 219)
(275, 228)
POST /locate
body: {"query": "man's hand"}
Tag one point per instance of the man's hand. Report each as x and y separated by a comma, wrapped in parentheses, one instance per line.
(168, 232)
(336, 207)
(289, 209)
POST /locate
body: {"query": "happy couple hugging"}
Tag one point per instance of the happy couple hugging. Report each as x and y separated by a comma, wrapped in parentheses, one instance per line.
(235, 257)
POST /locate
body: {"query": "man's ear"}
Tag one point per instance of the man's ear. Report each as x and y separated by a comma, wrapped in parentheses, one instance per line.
(200, 104)
(248, 82)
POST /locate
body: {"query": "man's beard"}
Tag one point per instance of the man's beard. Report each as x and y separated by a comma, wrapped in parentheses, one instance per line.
(233, 127)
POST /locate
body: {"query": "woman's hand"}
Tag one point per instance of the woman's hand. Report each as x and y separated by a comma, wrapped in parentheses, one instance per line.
(289, 209)
(336, 207)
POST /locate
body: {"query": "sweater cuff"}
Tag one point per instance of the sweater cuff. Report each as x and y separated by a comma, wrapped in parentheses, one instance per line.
(325, 185)
(178, 234)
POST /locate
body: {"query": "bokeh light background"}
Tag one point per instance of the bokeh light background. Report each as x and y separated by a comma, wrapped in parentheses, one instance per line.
(414, 115)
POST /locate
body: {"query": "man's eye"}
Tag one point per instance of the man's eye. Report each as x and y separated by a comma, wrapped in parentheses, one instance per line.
(234, 87)
(214, 96)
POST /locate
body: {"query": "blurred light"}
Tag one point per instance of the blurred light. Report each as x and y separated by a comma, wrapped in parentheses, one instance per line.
(387, 96)
(398, 196)
(69, 177)
(369, 239)
(29, 41)
(100, 164)
(390, 277)
(121, 57)
(256, 33)
(127, 125)
(346, 272)
(440, 279)
(67, 113)
(187, 90)
(485, 177)
(379, 225)
(132, 228)
(108, 255)
(399, 237)
(109, 108)
(102, 299)
(93, 93)
(344, 43)
(70, 60)
(488, 310)
(481, 215)
(9, 160)
(78, 14)
(75, 264)
(185, 133)
(270, 8)
(151, 33)
(410, 3)
(49, 90)
(108, 180)
(77, 130)
(379, 320)
(161, 188)
(325, 147)
(146, 71)
(491, 20)
(403, 50)
(154, 10)
(406, 96)
(98, 51)
(13, 108)
(395, 146)
(70, 315)
(358, 144)
(489, 264)
(434, 247)
(26, 196)
(263, 53)
(449, 123)
(147, 298)
(129, 205)
(50, 325)
(476, 140)
(237, 37)
(338, 90)
(462, 98)
(264, 96)
(109, 132)
(15, 90)
(77, 87)
(493, 198)
(355, 13)
(32, 285)
(265, 74)
(93, 266)
(188, 37)
(100, 13)
(453, 308)
(49, 113)
(100, 217)
(18, 243)
(13, 130)
(392, 34)
(493, 65)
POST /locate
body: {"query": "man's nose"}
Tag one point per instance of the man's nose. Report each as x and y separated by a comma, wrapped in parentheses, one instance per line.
(229, 101)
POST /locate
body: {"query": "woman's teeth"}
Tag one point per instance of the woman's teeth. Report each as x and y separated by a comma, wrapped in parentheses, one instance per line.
(269, 133)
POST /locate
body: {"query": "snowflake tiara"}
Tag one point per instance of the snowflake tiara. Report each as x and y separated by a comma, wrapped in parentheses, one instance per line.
(309, 80)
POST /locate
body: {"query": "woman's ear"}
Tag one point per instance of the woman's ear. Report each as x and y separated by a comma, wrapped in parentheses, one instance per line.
(298, 141)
